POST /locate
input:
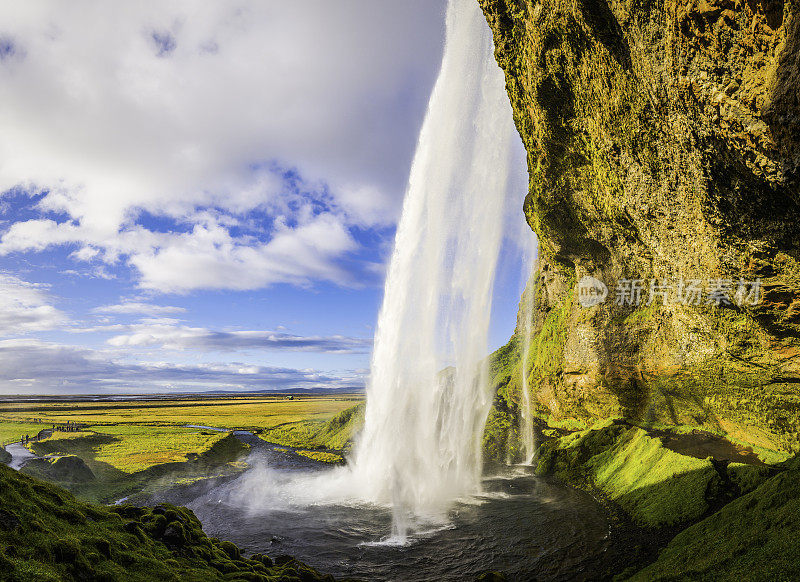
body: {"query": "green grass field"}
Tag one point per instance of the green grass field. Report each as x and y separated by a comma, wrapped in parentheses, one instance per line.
(131, 447)
(13, 431)
(335, 434)
(244, 413)
(131, 443)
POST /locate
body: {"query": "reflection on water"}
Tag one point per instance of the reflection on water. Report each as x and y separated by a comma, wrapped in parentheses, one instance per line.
(527, 527)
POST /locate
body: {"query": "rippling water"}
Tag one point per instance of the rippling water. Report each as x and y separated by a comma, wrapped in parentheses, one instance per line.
(527, 527)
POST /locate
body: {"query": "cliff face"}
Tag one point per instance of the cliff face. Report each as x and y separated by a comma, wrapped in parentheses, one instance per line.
(663, 143)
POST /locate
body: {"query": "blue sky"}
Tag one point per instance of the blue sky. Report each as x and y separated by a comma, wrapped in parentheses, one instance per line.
(196, 199)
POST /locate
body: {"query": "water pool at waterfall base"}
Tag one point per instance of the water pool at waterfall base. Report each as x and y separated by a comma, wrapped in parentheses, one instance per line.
(527, 527)
(537, 530)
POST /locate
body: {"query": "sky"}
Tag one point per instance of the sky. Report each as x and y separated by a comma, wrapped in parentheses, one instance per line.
(203, 196)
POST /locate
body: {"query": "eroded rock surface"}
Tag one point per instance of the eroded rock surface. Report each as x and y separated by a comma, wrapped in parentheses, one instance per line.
(663, 143)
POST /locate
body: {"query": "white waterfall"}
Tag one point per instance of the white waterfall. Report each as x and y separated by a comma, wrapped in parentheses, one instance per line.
(526, 311)
(427, 398)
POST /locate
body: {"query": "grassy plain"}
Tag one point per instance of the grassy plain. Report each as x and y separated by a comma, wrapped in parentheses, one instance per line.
(132, 447)
(231, 413)
(13, 431)
(128, 444)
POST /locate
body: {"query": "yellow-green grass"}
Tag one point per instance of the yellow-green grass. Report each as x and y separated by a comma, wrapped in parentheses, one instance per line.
(322, 456)
(63, 436)
(128, 445)
(140, 447)
(245, 412)
(336, 434)
(136, 459)
(11, 431)
(134, 447)
(654, 485)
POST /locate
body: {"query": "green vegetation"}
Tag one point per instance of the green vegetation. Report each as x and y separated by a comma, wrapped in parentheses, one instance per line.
(741, 521)
(336, 435)
(130, 448)
(655, 486)
(138, 446)
(752, 538)
(248, 413)
(322, 456)
(49, 536)
(132, 459)
(12, 431)
(501, 440)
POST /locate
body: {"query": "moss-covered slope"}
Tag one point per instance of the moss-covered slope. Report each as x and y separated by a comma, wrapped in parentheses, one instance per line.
(335, 436)
(48, 535)
(734, 521)
(655, 486)
(663, 142)
(753, 538)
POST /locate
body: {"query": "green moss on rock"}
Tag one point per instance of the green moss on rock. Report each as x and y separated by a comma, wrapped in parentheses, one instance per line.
(752, 538)
(46, 534)
(655, 486)
(662, 143)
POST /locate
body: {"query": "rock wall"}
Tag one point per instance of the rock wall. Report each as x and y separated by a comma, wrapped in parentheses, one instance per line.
(663, 142)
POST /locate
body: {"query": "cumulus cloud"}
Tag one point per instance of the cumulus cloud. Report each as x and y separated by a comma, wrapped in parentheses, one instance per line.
(302, 114)
(25, 307)
(34, 366)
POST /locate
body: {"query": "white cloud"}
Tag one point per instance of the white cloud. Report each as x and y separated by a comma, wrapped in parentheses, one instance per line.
(115, 109)
(31, 366)
(208, 256)
(138, 308)
(168, 334)
(25, 307)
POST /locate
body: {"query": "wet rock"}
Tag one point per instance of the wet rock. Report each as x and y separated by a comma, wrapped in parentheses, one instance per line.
(664, 147)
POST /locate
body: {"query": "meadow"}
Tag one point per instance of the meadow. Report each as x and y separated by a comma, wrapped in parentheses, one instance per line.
(248, 413)
(129, 445)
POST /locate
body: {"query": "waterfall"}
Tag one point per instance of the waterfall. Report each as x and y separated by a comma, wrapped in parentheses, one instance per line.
(526, 311)
(427, 397)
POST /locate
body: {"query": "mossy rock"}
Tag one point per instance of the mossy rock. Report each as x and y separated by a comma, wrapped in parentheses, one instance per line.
(67, 469)
(46, 534)
(753, 538)
(655, 486)
(663, 143)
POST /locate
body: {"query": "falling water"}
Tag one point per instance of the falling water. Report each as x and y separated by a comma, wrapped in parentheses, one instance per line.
(526, 312)
(427, 398)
